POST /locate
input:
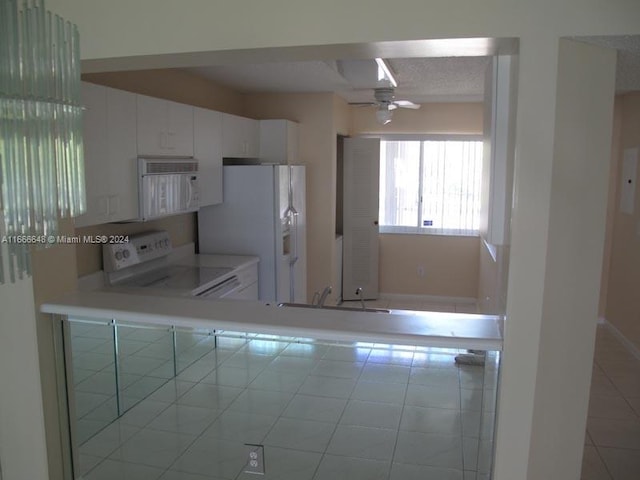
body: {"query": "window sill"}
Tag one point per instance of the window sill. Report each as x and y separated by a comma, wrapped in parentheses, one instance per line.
(394, 230)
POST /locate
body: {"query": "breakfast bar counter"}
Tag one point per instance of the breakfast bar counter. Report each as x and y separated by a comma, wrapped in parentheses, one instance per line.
(402, 327)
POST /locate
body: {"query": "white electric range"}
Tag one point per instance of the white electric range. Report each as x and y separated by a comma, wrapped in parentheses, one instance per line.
(144, 265)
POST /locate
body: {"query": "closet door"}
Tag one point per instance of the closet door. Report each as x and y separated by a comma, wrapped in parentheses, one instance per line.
(360, 223)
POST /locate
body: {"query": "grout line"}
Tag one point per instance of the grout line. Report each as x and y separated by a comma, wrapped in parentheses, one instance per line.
(324, 453)
(404, 402)
(604, 464)
(624, 341)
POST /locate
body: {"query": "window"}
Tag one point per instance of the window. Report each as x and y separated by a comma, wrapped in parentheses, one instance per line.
(430, 186)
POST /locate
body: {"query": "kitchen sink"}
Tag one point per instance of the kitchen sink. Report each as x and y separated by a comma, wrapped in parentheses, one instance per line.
(337, 307)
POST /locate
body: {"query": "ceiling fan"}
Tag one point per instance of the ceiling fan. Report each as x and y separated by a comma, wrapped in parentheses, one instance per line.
(386, 102)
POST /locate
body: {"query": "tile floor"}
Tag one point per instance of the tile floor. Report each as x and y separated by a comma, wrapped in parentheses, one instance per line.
(612, 443)
(321, 411)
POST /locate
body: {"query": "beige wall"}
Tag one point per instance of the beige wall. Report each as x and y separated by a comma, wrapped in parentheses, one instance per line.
(342, 125)
(342, 114)
(611, 205)
(623, 301)
(450, 265)
(316, 149)
(460, 118)
(177, 85)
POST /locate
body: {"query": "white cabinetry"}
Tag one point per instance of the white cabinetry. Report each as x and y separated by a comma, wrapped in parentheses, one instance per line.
(279, 141)
(240, 137)
(109, 132)
(164, 128)
(207, 146)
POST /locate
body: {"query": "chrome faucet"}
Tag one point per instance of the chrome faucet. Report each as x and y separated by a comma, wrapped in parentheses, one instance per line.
(323, 297)
(359, 294)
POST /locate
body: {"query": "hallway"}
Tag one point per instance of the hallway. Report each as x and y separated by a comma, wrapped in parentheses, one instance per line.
(612, 441)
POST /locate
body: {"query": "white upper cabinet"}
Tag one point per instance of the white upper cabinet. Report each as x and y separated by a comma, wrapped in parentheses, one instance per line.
(165, 128)
(109, 133)
(96, 166)
(240, 137)
(279, 142)
(207, 146)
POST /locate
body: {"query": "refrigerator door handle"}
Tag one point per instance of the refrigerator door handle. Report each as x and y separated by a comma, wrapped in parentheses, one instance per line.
(294, 231)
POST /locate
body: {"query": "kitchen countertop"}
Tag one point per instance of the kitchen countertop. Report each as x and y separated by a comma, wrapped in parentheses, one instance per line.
(435, 329)
(211, 260)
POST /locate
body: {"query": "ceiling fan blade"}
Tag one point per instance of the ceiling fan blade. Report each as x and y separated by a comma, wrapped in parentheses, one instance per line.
(406, 104)
(363, 104)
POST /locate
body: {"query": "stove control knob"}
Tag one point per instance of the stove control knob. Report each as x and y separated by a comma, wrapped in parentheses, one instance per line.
(126, 254)
(119, 255)
(166, 242)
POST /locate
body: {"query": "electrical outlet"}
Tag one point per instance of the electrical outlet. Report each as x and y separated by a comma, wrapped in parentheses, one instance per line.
(255, 459)
(420, 271)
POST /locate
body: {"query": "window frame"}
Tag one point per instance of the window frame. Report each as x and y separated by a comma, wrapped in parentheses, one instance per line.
(438, 137)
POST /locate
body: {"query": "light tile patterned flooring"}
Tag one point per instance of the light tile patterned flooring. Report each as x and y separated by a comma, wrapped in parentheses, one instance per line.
(612, 443)
(323, 412)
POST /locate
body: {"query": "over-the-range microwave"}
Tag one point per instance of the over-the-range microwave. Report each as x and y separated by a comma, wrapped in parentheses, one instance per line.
(167, 186)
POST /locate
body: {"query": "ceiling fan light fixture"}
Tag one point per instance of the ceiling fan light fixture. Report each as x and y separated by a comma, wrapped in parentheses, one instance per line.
(383, 115)
(384, 72)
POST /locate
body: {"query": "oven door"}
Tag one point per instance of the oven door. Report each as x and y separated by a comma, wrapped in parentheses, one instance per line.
(225, 289)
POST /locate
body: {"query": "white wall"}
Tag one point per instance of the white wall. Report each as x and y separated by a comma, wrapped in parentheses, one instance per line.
(584, 111)
(125, 29)
(23, 452)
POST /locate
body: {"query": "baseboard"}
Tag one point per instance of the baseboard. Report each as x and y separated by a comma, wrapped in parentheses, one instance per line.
(427, 298)
(628, 344)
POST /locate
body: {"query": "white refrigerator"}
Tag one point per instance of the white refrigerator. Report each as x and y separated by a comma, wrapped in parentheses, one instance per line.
(262, 214)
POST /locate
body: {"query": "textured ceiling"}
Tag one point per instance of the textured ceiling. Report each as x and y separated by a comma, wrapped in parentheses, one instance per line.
(420, 80)
(438, 79)
(628, 70)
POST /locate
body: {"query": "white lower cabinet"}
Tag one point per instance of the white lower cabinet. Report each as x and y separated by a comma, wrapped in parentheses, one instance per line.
(207, 147)
(110, 155)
